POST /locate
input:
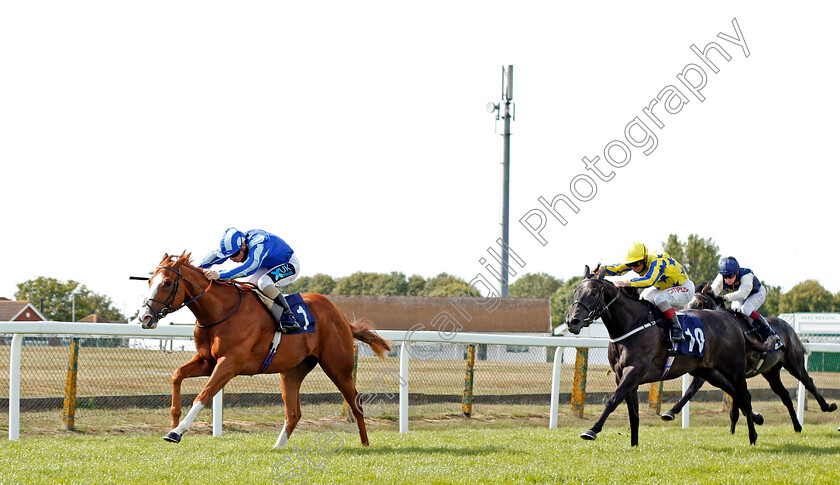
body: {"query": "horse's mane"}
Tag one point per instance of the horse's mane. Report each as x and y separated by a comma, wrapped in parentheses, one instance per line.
(629, 291)
(185, 259)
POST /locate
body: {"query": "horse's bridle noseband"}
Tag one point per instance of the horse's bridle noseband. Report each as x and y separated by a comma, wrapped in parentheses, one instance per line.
(167, 304)
(600, 307)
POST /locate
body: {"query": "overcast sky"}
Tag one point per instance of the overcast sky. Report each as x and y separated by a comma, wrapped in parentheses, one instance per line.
(357, 131)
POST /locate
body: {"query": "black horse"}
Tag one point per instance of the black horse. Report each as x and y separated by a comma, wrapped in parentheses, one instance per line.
(792, 359)
(638, 352)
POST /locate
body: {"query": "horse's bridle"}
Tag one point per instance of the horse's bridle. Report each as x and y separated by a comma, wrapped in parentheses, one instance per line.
(708, 299)
(167, 304)
(600, 307)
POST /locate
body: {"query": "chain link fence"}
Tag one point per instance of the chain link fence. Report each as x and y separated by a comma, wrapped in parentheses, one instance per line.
(120, 373)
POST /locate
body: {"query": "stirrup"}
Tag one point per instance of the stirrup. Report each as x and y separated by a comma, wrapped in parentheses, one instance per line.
(287, 323)
(676, 340)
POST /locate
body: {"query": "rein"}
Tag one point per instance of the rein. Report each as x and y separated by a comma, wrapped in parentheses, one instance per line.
(167, 304)
(596, 312)
(708, 299)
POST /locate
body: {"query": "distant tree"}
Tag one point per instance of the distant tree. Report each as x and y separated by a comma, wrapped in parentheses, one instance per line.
(415, 285)
(562, 300)
(318, 283)
(445, 285)
(393, 283)
(530, 285)
(57, 300)
(698, 256)
(774, 299)
(808, 296)
(358, 283)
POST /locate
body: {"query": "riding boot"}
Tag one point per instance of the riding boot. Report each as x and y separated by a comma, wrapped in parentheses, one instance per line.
(671, 316)
(767, 330)
(676, 329)
(284, 320)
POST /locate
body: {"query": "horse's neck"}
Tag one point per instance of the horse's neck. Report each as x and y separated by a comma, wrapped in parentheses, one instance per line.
(624, 315)
(206, 305)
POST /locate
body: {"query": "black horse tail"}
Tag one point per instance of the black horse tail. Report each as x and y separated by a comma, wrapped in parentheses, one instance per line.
(363, 330)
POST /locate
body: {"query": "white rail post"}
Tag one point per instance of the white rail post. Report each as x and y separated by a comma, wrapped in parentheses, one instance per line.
(14, 387)
(800, 397)
(800, 388)
(404, 350)
(685, 416)
(555, 388)
(217, 413)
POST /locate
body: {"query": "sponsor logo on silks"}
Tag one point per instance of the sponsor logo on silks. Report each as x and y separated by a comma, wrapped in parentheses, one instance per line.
(283, 271)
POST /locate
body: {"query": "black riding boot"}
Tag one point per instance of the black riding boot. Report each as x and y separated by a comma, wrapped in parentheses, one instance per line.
(283, 319)
(676, 330)
(766, 329)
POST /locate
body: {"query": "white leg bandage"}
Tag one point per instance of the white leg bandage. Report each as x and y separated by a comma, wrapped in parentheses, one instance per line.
(185, 423)
(283, 438)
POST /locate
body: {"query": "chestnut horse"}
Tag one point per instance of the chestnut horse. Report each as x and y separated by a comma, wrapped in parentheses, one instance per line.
(233, 333)
(792, 359)
(638, 350)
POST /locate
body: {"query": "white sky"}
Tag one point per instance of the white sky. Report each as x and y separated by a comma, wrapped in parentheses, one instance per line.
(357, 132)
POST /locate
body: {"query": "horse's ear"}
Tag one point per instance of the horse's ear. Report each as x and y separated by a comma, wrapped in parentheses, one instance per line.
(165, 258)
(586, 271)
(601, 273)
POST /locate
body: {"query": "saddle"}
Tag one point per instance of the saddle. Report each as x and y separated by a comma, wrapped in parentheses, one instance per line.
(691, 346)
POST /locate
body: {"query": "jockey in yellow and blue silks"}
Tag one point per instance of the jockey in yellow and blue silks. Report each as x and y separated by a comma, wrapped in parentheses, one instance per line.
(665, 281)
(265, 260)
(742, 287)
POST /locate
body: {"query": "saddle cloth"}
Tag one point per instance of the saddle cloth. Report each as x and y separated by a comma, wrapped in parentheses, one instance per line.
(299, 309)
(695, 335)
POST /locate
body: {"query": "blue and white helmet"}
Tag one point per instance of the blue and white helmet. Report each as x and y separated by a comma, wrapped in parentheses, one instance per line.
(728, 265)
(231, 242)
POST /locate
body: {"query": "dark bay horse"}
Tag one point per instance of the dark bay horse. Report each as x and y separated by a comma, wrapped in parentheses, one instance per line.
(638, 352)
(792, 359)
(233, 333)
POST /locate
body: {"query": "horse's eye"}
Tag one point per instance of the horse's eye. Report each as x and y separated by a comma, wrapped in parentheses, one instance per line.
(167, 284)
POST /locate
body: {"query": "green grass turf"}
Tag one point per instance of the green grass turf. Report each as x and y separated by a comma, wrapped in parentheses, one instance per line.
(667, 454)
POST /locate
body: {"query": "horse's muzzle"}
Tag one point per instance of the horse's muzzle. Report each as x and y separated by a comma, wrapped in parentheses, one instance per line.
(574, 325)
(147, 319)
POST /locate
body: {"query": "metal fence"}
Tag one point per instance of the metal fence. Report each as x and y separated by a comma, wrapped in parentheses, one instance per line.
(126, 371)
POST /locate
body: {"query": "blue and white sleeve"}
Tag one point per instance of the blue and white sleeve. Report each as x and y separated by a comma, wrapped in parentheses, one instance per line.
(256, 255)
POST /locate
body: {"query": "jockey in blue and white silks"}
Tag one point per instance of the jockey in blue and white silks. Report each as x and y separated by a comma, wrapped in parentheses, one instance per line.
(265, 260)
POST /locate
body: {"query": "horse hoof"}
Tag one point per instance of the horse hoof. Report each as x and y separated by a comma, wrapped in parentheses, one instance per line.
(590, 435)
(758, 419)
(831, 408)
(172, 437)
(667, 417)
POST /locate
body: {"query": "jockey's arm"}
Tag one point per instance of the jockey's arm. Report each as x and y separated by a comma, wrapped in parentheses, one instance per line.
(210, 260)
(616, 269)
(744, 290)
(717, 285)
(654, 272)
(257, 251)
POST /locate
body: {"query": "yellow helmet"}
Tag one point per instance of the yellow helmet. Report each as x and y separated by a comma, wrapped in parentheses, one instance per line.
(637, 252)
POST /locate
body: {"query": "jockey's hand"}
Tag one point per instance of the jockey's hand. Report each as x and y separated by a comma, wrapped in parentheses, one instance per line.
(211, 275)
(622, 283)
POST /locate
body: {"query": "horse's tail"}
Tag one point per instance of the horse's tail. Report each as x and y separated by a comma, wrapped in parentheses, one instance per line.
(363, 330)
